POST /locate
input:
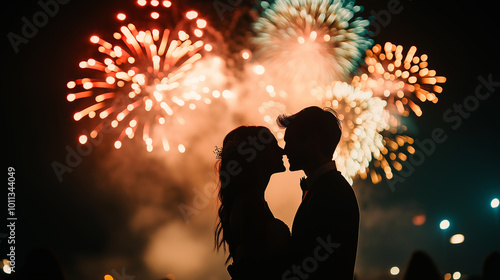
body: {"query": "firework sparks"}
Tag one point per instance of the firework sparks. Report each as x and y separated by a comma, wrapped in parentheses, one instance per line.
(401, 80)
(301, 42)
(363, 119)
(270, 110)
(144, 79)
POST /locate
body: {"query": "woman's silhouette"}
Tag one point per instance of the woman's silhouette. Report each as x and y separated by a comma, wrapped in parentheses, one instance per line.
(256, 240)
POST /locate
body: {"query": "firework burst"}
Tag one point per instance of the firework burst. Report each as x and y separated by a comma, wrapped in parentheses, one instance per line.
(144, 81)
(363, 119)
(300, 42)
(401, 80)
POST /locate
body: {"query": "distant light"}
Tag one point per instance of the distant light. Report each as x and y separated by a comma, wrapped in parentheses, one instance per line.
(88, 85)
(94, 39)
(121, 16)
(198, 33)
(444, 224)
(245, 55)
(108, 277)
(181, 148)
(71, 84)
(191, 14)
(82, 139)
(457, 275)
(6, 266)
(394, 270)
(141, 3)
(155, 15)
(201, 23)
(419, 220)
(208, 47)
(118, 145)
(7, 269)
(457, 239)
(167, 4)
(227, 94)
(259, 69)
(494, 203)
(447, 276)
(183, 35)
(71, 97)
(269, 88)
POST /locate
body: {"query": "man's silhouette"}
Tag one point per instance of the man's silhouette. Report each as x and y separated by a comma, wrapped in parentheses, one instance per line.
(325, 227)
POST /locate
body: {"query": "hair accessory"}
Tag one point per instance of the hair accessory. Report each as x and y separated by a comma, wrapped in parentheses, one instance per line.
(218, 152)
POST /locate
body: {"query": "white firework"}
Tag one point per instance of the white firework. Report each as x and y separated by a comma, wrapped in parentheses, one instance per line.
(363, 118)
(304, 42)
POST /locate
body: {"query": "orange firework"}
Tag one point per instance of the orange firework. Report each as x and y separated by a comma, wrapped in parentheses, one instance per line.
(144, 79)
(401, 80)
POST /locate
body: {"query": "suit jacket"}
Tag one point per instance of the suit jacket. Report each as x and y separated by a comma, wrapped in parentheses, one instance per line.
(325, 231)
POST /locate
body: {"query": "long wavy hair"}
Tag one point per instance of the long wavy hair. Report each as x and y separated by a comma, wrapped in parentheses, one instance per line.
(236, 168)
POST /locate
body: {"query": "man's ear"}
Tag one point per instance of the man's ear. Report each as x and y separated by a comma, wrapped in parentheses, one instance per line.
(312, 142)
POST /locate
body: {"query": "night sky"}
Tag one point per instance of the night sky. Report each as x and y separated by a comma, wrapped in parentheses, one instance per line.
(96, 221)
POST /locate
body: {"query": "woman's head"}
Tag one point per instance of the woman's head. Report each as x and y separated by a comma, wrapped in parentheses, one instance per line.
(248, 151)
(249, 156)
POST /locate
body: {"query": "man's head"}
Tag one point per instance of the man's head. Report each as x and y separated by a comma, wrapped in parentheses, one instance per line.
(311, 137)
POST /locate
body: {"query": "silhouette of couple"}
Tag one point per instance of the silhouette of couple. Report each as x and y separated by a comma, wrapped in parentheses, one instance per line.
(324, 236)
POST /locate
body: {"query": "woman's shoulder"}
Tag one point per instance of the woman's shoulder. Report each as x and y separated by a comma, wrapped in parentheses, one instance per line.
(249, 204)
(277, 230)
(250, 209)
(277, 236)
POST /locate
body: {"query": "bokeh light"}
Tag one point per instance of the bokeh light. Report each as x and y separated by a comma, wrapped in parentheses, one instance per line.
(394, 270)
(419, 220)
(457, 238)
(444, 224)
(494, 203)
(6, 266)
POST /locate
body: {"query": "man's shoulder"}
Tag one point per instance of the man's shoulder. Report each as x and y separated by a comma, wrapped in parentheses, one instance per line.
(332, 179)
(333, 185)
